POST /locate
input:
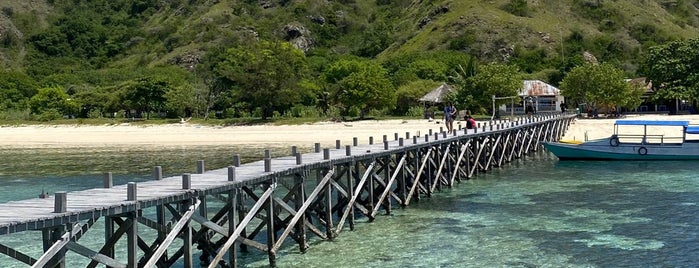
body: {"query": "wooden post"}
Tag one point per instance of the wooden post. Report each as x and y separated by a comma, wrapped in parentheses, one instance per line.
(326, 153)
(316, 147)
(294, 150)
(371, 140)
(299, 161)
(337, 144)
(400, 142)
(348, 150)
(270, 229)
(132, 239)
(350, 185)
(231, 173)
(232, 224)
(355, 141)
(300, 198)
(186, 181)
(131, 194)
(241, 215)
(268, 154)
(395, 136)
(200, 166)
(268, 164)
(109, 232)
(329, 210)
(385, 145)
(60, 204)
(236, 160)
(158, 173)
(187, 237)
(107, 180)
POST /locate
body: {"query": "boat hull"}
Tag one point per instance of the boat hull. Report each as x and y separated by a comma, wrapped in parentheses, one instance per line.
(601, 150)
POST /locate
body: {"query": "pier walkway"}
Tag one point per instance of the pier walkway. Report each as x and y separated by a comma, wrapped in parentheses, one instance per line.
(264, 204)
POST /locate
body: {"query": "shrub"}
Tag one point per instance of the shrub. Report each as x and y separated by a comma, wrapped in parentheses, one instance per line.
(49, 115)
(517, 8)
(415, 111)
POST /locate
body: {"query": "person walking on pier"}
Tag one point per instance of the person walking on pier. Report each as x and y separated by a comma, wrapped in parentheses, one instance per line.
(449, 115)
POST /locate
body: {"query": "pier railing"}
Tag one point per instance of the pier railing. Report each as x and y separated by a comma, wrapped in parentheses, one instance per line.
(263, 204)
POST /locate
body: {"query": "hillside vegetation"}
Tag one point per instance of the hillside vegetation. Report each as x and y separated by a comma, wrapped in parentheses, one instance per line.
(98, 47)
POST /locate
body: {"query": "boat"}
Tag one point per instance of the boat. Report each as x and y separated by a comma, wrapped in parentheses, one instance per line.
(634, 146)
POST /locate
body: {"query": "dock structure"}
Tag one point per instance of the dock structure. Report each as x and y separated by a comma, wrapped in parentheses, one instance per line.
(263, 204)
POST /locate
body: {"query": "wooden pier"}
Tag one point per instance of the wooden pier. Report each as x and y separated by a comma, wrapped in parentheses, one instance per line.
(264, 204)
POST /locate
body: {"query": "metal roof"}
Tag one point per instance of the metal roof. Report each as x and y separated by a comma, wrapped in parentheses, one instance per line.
(679, 123)
(538, 88)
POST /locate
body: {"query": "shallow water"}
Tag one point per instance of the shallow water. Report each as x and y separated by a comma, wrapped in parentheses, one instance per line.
(531, 213)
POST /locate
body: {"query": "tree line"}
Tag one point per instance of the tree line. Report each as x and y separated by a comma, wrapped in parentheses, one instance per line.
(272, 78)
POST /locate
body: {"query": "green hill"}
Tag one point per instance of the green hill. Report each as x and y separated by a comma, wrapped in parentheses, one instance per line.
(83, 44)
(166, 32)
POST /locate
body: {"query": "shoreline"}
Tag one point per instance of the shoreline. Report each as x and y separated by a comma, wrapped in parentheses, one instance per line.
(305, 135)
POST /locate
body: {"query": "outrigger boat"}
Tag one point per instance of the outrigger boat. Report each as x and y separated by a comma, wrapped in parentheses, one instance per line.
(633, 146)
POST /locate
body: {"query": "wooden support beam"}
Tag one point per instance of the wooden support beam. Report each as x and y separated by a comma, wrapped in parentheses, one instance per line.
(243, 223)
(438, 177)
(301, 211)
(17, 255)
(387, 188)
(476, 161)
(182, 223)
(416, 178)
(58, 246)
(357, 192)
(457, 166)
(95, 256)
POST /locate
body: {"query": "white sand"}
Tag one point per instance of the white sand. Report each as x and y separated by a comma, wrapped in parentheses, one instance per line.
(601, 128)
(326, 133)
(285, 135)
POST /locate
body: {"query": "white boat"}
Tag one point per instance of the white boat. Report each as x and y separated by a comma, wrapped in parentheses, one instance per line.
(644, 146)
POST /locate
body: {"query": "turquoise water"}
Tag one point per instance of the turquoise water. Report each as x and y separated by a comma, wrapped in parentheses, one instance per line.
(534, 213)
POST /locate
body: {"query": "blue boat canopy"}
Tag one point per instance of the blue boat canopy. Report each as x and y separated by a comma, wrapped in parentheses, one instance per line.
(692, 130)
(652, 123)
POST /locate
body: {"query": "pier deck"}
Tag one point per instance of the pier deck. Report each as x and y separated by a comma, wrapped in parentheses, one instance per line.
(268, 196)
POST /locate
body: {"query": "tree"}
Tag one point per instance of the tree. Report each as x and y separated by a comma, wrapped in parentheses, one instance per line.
(266, 75)
(598, 85)
(52, 99)
(145, 95)
(359, 83)
(674, 70)
(475, 91)
(15, 89)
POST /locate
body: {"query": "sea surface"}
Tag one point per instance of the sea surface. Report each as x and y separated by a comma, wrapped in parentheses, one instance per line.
(534, 212)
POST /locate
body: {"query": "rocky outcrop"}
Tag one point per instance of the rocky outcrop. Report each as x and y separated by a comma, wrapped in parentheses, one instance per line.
(298, 35)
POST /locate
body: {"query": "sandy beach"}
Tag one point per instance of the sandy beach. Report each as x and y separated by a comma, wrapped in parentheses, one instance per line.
(66, 136)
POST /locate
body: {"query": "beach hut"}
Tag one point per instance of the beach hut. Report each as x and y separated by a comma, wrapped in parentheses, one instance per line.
(435, 97)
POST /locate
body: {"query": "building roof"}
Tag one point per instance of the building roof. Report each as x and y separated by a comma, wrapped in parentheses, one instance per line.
(437, 95)
(538, 88)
